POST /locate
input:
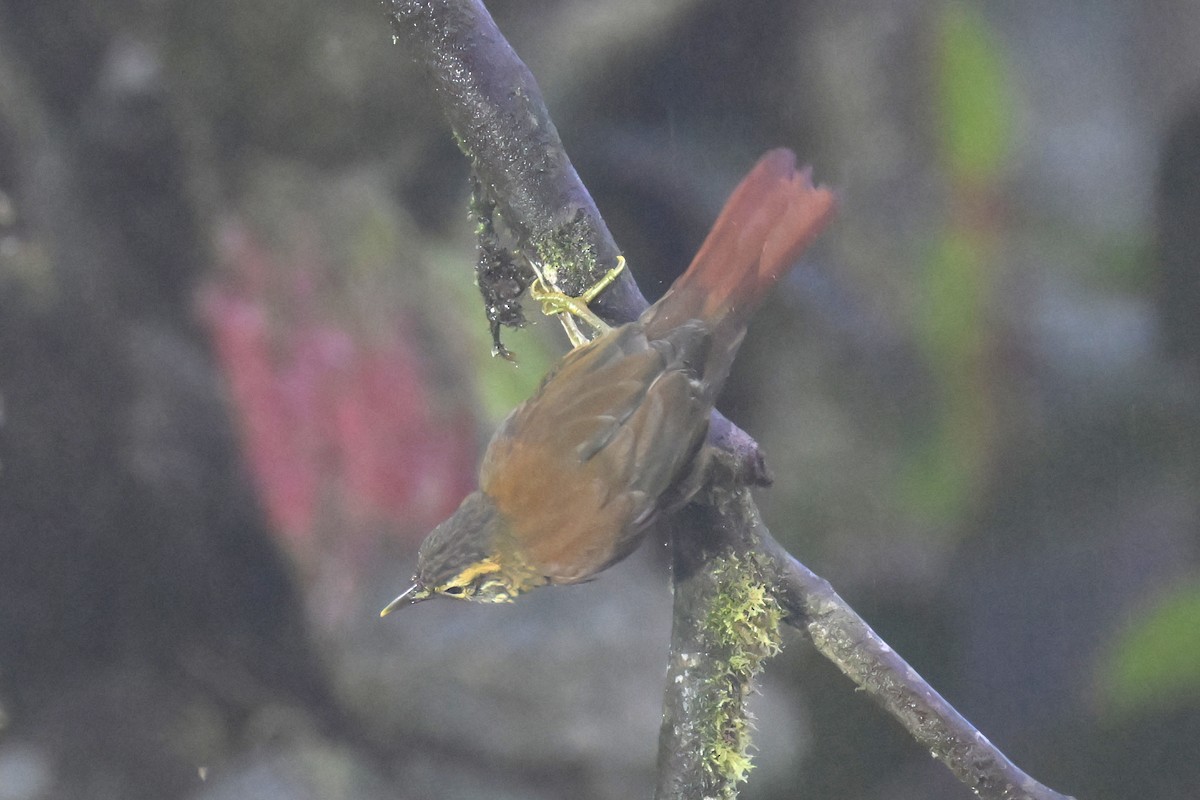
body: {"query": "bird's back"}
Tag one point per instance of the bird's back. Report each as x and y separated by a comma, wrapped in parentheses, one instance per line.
(581, 468)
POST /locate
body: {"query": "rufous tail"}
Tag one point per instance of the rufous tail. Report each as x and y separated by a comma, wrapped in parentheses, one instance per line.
(768, 221)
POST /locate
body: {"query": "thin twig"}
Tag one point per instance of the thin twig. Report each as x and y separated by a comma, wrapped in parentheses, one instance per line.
(501, 123)
(843, 637)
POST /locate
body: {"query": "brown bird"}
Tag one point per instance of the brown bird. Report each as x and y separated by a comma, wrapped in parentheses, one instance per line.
(615, 434)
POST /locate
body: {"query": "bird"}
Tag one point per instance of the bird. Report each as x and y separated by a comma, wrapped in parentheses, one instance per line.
(614, 436)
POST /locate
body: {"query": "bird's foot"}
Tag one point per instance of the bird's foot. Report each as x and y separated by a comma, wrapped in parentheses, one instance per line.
(568, 309)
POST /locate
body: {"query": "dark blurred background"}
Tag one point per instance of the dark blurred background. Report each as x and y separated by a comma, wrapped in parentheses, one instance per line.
(243, 369)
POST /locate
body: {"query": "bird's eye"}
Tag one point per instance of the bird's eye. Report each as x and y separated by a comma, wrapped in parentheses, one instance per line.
(454, 591)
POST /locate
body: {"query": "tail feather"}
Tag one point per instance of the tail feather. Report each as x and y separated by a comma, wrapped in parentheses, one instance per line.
(768, 221)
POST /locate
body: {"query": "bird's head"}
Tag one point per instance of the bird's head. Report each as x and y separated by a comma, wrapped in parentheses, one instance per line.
(470, 556)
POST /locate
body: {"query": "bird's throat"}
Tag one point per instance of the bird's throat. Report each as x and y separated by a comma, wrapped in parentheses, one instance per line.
(516, 573)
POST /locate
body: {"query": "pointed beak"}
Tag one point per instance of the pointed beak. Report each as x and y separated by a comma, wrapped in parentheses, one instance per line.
(413, 594)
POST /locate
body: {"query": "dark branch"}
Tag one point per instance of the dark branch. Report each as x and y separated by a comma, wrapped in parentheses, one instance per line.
(496, 112)
(725, 625)
(500, 121)
(844, 638)
(683, 758)
(727, 530)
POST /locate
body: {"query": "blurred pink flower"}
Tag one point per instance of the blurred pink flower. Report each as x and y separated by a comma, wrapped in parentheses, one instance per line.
(341, 436)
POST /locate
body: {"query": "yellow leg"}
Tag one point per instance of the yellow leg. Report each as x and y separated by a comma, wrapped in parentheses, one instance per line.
(567, 308)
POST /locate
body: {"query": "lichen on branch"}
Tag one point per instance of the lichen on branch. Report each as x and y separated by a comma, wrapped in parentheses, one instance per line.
(742, 625)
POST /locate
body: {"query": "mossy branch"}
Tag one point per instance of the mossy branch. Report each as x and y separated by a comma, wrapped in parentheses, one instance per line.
(499, 120)
(726, 624)
(733, 582)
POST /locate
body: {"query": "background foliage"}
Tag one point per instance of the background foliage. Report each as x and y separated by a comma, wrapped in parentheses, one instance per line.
(243, 370)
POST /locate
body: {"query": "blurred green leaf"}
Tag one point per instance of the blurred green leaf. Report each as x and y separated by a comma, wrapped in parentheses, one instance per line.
(942, 465)
(973, 94)
(952, 297)
(503, 385)
(1155, 663)
(949, 449)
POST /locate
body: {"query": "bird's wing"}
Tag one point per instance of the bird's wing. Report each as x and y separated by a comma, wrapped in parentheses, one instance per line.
(628, 413)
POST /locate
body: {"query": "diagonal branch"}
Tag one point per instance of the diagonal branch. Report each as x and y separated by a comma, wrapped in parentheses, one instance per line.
(733, 582)
(496, 112)
(500, 122)
(847, 640)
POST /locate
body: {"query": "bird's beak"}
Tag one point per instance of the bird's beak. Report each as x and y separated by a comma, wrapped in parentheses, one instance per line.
(413, 594)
